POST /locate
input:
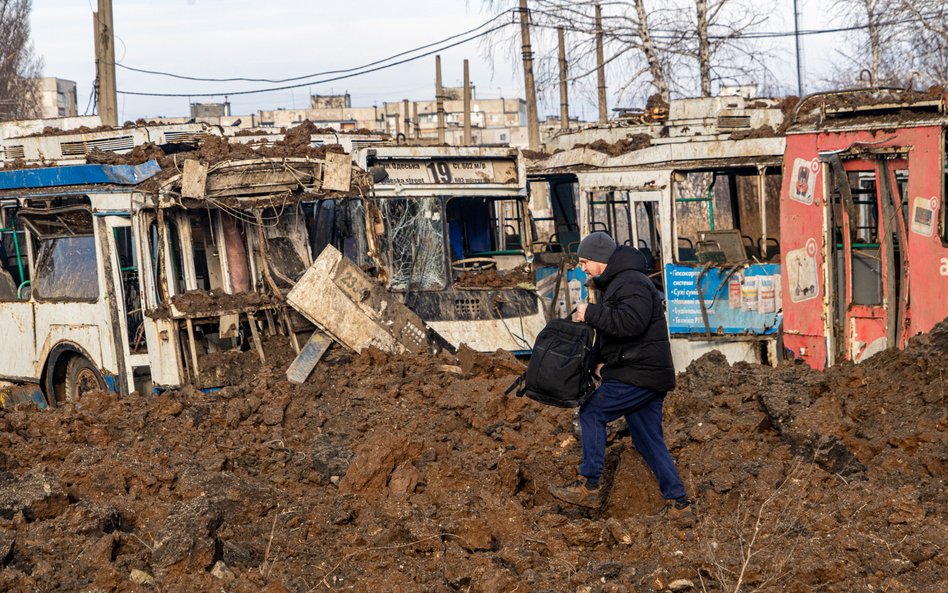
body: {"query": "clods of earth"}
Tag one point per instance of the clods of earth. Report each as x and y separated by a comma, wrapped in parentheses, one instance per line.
(405, 474)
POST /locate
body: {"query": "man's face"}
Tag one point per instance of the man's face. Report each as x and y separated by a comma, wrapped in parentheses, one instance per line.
(592, 268)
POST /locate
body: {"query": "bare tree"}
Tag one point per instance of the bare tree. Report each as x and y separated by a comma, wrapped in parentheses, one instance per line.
(19, 66)
(900, 42)
(671, 47)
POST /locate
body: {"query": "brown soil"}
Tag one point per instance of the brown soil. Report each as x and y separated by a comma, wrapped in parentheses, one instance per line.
(812, 111)
(534, 155)
(622, 146)
(761, 132)
(403, 474)
(202, 301)
(494, 279)
(215, 149)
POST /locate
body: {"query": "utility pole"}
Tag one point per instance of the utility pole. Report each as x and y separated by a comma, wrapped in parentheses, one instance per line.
(105, 63)
(564, 98)
(439, 99)
(530, 89)
(799, 44)
(407, 120)
(467, 105)
(601, 68)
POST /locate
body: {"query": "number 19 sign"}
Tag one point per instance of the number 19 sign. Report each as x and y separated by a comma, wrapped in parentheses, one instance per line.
(449, 172)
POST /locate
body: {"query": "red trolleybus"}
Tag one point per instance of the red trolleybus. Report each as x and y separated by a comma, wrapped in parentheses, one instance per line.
(865, 239)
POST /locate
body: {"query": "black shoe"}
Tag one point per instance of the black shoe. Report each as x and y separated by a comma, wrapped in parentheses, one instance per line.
(578, 493)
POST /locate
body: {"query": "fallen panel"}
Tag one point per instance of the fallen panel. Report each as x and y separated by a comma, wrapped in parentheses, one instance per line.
(310, 354)
(354, 310)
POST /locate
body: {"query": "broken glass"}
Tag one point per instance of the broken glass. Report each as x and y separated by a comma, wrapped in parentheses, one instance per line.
(66, 270)
(415, 229)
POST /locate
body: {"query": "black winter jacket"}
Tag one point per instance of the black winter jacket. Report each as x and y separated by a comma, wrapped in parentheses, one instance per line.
(630, 324)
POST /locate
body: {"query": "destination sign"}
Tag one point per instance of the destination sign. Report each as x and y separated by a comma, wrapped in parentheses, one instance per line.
(449, 172)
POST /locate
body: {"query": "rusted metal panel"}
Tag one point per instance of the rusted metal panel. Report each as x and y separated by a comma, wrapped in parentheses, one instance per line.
(818, 334)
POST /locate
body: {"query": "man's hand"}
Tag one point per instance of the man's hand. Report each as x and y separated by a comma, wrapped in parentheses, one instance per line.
(580, 314)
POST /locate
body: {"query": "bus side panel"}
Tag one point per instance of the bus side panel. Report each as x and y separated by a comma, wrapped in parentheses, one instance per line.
(17, 336)
(928, 255)
(58, 322)
(803, 250)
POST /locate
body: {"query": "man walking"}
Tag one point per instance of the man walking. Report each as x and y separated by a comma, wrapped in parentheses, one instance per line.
(635, 364)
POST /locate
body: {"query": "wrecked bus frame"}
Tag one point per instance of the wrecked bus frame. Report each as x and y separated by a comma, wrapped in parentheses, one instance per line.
(701, 207)
(446, 228)
(127, 284)
(865, 244)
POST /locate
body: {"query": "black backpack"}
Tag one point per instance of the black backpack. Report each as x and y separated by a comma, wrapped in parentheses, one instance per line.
(560, 371)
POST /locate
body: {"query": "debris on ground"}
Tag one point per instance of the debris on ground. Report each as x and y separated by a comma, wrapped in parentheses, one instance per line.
(415, 473)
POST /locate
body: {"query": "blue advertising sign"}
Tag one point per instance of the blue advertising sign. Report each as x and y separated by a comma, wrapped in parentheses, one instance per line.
(744, 300)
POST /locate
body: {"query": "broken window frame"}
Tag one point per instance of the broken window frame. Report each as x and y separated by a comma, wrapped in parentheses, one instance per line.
(763, 195)
(558, 230)
(610, 212)
(51, 286)
(499, 219)
(130, 273)
(438, 260)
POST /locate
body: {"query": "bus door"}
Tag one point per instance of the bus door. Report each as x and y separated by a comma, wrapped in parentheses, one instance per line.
(646, 228)
(128, 318)
(866, 238)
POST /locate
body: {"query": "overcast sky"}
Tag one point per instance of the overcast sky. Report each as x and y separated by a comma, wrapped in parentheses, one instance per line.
(286, 38)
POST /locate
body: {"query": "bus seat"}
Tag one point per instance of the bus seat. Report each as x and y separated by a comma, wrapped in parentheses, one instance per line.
(686, 253)
(710, 251)
(773, 248)
(750, 248)
(567, 240)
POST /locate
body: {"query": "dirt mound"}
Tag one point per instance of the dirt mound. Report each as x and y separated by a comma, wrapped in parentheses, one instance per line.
(417, 474)
(215, 149)
(495, 279)
(622, 146)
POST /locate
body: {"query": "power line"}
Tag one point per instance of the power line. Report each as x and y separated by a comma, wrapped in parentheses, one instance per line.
(382, 64)
(314, 75)
(323, 81)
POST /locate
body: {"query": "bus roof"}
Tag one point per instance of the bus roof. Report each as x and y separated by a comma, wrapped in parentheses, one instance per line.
(78, 175)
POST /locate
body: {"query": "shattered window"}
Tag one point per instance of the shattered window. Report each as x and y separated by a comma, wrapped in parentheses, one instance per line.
(415, 229)
(66, 270)
(718, 215)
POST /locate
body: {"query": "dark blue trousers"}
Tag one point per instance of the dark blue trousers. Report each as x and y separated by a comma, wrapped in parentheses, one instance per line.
(642, 409)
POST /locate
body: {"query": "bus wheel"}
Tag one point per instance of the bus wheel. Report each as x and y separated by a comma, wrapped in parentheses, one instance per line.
(81, 378)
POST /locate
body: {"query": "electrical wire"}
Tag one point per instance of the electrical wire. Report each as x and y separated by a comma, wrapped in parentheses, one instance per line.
(315, 74)
(310, 83)
(383, 63)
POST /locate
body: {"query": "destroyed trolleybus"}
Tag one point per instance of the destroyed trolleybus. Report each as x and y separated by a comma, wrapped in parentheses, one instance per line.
(135, 278)
(865, 233)
(446, 229)
(698, 198)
